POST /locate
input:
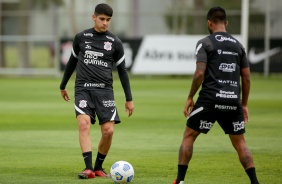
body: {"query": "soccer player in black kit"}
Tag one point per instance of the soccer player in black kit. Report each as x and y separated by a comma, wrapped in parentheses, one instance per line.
(221, 63)
(94, 53)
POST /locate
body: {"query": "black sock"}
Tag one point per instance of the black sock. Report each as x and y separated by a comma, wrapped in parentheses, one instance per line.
(182, 169)
(99, 161)
(87, 156)
(252, 175)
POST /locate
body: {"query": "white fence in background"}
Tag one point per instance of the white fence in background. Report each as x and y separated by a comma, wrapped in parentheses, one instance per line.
(54, 71)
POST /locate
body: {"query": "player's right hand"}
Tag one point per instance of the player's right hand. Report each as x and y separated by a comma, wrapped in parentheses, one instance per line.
(188, 107)
(246, 114)
(64, 94)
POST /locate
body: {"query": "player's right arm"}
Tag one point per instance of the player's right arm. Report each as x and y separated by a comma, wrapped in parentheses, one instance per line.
(246, 85)
(70, 67)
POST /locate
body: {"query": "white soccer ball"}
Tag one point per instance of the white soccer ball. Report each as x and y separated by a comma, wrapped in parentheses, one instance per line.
(122, 172)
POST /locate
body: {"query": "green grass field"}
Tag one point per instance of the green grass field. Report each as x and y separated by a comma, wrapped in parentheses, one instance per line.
(39, 137)
(39, 56)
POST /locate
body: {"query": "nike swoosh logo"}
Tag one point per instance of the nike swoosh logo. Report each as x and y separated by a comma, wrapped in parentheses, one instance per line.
(88, 42)
(256, 58)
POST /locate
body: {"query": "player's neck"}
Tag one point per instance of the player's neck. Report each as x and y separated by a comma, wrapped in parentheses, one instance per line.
(219, 31)
(219, 28)
(98, 30)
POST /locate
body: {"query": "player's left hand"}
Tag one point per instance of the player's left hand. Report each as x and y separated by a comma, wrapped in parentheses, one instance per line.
(129, 107)
(64, 94)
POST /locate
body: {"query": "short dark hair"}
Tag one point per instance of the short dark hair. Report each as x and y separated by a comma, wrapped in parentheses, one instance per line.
(103, 9)
(216, 14)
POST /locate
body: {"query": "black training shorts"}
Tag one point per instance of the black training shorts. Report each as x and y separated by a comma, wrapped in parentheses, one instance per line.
(229, 117)
(98, 102)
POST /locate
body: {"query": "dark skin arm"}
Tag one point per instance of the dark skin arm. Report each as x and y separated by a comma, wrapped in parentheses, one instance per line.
(196, 83)
(246, 84)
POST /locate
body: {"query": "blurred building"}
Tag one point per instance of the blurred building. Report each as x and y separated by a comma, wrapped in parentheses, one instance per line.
(33, 30)
(136, 18)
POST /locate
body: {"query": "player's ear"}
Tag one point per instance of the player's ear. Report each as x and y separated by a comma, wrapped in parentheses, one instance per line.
(94, 17)
(226, 23)
(209, 23)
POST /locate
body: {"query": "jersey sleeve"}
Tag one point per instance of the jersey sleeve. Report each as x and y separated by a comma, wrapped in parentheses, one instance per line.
(75, 46)
(71, 65)
(244, 60)
(202, 48)
(119, 59)
(119, 53)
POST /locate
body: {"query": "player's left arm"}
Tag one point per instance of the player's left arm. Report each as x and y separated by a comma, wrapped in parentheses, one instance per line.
(124, 79)
(196, 83)
(201, 64)
(70, 67)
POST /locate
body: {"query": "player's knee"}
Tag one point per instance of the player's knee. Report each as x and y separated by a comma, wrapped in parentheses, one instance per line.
(107, 130)
(108, 133)
(83, 126)
(238, 142)
(190, 134)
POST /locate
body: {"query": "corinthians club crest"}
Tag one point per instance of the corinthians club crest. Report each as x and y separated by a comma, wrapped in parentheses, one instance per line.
(82, 103)
(107, 46)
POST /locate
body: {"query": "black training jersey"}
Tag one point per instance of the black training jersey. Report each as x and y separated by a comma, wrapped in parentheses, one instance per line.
(93, 56)
(96, 53)
(225, 57)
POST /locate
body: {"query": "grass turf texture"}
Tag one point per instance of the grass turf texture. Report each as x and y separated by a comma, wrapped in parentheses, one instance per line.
(39, 137)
